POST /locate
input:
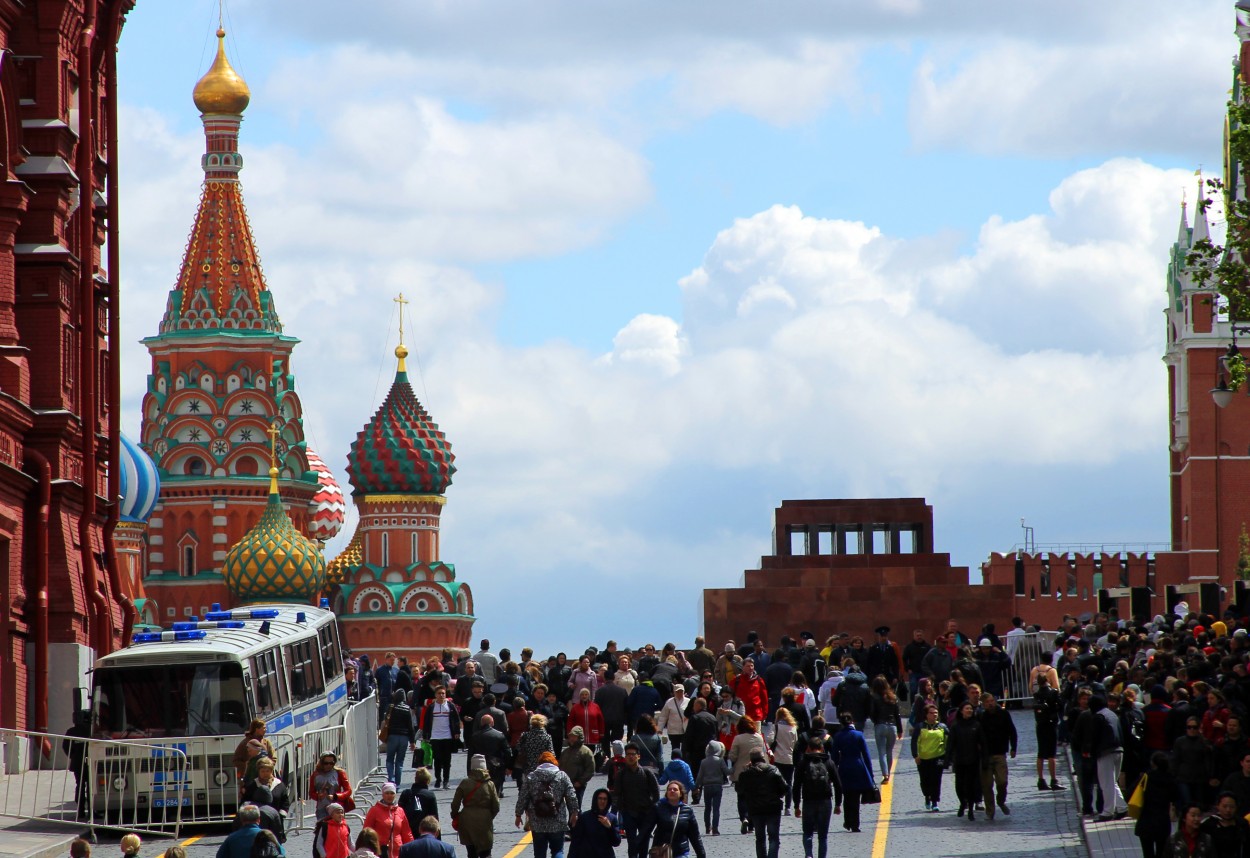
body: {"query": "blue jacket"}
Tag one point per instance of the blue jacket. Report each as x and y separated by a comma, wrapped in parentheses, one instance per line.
(590, 838)
(678, 770)
(849, 752)
(427, 846)
(643, 700)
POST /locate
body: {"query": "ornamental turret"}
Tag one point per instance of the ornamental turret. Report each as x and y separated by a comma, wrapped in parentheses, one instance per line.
(394, 591)
(221, 378)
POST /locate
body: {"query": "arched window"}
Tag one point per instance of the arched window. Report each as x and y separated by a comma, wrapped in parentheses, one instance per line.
(246, 467)
(386, 550)
(188, 560)
(195, 467)
(415, 555)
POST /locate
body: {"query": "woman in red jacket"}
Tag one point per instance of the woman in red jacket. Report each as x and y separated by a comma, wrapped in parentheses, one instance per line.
(388, 819)
(585, 713)
(329, 784)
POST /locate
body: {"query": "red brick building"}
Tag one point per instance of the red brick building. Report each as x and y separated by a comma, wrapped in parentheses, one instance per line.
(64, 594)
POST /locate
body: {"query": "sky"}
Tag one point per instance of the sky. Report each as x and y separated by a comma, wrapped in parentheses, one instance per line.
(672, 264)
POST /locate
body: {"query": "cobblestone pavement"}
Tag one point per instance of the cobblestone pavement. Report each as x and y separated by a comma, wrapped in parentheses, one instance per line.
(1041, 823)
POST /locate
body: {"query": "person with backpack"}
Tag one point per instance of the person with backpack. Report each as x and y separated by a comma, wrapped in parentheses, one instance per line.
(815, 782)
(474, 808)
(419, 801)
(400, 735)
(929, 741)
(547, 797)
(1047, 707)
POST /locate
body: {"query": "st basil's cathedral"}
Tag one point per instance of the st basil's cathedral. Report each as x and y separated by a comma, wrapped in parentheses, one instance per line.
(244, 506)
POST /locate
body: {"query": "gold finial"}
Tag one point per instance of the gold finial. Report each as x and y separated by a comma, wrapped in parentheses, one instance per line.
(273, 431)
(401, 351)
(221, 90)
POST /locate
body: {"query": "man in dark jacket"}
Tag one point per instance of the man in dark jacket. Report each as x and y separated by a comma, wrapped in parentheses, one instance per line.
(700, 730)
(634, 794)
(1084, 739)
(937, 662)
(883, 658)
(815, 783)
(913, 656)
(994, 666)
(776, 677)
(611, 699)
(492, 744)
(1000, 740)
(763, 790)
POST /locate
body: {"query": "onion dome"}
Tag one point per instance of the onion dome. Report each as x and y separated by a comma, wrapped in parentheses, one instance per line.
(140, 483)
(327, 510)
(401, 450)
(221, 90)
(348, 559)
(273, 560)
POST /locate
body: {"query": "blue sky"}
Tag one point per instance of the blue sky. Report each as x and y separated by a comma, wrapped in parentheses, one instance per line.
(673, 266)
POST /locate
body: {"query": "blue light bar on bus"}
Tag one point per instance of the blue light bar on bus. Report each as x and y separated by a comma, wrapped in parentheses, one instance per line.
(221, 624)
(241, 614)
(325, 603)
(154, 637)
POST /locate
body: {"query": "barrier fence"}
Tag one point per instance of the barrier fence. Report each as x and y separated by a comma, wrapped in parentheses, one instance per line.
(1025, 652)
(102, 783)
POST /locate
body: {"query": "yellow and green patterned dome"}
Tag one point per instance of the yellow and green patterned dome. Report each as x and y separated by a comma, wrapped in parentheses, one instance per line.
(273, 560)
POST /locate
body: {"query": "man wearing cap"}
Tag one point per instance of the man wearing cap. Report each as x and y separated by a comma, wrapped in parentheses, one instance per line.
(763, 789)
(883, 658)
(994, 665)
(728, 666)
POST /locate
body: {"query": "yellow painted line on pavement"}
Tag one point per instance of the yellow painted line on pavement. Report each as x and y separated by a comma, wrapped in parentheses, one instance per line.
(883, 815)
(184, 844)
(520, 847)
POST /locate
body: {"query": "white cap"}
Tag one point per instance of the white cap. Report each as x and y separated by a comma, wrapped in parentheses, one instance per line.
(984, 642)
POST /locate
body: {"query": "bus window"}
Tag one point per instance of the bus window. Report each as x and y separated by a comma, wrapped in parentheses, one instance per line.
(158, 701)
(331, 656)
(306, 679)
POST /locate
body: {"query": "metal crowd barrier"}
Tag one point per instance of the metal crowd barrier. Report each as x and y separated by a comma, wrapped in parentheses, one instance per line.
(129, 790)
(355, 743)
(1025, 652)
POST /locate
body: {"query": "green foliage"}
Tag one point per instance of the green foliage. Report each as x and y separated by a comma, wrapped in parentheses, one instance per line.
(1243, 554)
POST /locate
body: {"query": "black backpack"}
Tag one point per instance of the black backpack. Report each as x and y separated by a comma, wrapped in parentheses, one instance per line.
(816, 779)
(545, 800)
(1045, 699)
(266, 845)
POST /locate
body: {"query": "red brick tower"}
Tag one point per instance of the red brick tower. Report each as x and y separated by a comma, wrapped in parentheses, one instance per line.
(221, 376)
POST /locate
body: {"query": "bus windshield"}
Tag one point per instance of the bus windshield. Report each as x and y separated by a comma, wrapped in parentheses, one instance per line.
(168, 700)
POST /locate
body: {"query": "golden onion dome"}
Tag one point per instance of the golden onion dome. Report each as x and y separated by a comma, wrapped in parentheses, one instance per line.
(221, 90)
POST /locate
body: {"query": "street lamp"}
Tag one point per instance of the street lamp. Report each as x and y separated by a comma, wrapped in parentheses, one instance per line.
(1222, 393)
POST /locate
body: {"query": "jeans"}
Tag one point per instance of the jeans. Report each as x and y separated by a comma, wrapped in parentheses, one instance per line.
(396, 751)
(994, 778)
(787, 772)
(1108, 773)
(544, 840)
(711, 806)
(767, 825)
(930, 779)
(638, 832)
(1087, 781)
(885, 735)
(913, 686)
(816, 817)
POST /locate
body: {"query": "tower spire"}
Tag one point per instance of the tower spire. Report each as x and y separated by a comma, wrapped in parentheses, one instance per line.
(272, 432)
(1201, 229)
(401, 351)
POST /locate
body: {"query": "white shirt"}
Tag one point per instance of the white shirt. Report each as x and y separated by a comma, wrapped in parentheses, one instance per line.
(441, 726)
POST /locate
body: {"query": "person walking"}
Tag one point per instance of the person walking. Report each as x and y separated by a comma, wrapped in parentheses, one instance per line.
(929, 743)
(1154, 823)
(401, 735)
(493, 746)
(1047, 708)
(887, 722)
(785, 734)
(578, 762)
(711, 779)
(1109, 745)
(747, 740)
(331, 836)
(474, 807)
(1189, 841)
(533, 743)
(547, 798)
(440, 726)
(673, 718)
(676, 825)
(597, 833)
(965, 752)
(850, 754)
(1001, 739)
(762, 790)
(388, 819)
(634, 794)
(815, 782)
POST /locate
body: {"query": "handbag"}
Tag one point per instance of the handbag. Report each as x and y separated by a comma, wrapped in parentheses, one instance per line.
(1137, 802)
(385, 732)
(870, 796)
(455, 817)
(665, 850)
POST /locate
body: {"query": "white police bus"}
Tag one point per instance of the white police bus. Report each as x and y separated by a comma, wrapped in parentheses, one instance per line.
(195, 689)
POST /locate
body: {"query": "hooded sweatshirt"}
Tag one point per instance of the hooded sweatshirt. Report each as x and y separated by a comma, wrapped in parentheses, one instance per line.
(713, 771)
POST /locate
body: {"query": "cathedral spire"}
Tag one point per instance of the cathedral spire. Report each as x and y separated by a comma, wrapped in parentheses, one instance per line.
(1182, 234)
(1201, 229)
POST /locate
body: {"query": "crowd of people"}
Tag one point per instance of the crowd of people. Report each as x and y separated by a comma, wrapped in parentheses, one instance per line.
(1151, 713)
